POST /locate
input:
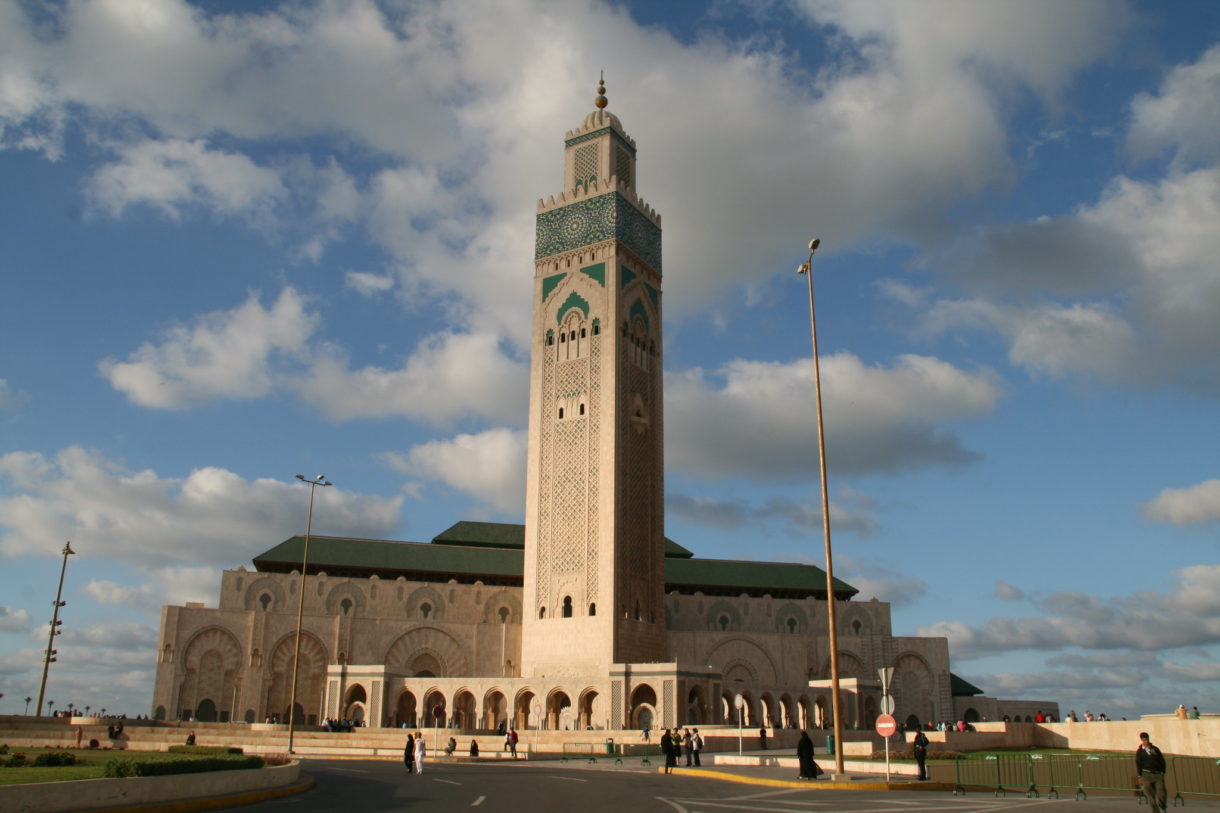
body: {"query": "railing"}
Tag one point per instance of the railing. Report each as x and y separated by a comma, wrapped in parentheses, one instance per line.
(1033, 774)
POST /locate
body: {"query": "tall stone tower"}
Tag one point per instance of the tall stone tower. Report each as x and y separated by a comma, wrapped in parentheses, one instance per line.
(594, 515)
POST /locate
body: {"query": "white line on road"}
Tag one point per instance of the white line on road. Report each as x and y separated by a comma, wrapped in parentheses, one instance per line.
(447, 781)
(569, 779)
(478, 801)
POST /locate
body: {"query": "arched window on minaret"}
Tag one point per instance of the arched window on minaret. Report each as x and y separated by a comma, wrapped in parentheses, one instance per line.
(593, 609)
(542, 612)
(567, 606)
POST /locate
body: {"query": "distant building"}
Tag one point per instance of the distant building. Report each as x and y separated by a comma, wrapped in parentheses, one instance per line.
(586, 616)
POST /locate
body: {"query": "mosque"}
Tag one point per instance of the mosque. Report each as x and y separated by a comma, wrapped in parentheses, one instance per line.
(586, 616)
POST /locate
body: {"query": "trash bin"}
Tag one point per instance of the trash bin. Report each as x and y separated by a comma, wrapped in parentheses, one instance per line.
(609, 746)
(830, 744)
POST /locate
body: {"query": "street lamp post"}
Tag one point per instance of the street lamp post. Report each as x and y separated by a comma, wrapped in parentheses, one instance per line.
(807, 270)
(313, 484)
(49, 655)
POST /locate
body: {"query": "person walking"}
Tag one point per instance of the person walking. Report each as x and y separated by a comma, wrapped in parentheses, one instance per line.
(762, 738)
(687, 746)
(420, 751)
(667, 748)
(804, 758)
(512, 741)
(1150, 765)
(919, 744)
(408, 754)
(696, 745)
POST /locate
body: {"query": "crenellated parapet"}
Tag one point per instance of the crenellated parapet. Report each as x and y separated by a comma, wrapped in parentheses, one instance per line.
(595, 188)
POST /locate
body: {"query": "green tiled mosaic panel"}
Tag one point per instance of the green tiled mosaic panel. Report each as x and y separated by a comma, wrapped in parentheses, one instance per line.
(593, 220)
(549, 283)
(572, 142)
(596, 272)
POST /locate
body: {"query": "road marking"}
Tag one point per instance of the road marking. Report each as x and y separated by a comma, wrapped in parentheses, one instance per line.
(569, 779)
(478, 801)
(351, 770)
(447, 781)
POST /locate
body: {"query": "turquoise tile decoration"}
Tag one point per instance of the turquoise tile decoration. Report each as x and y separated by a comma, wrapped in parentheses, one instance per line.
(580, 139)
(654, 295)
(549, 283)
(638, 309)
(595, 219)
(574, 300)
(626, 275)
(596, 272)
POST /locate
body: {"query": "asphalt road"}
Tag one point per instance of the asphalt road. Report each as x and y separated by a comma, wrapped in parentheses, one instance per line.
(572, 787)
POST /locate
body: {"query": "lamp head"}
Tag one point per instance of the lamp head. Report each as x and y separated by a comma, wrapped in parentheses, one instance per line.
(814, 243)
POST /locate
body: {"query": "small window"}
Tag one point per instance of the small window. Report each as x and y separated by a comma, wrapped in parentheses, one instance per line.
(563, 337)
(583, 333)
(582, 409)
(542, 612)
(791, 622)
(346, 605)
(550, 340)
(567, 606)
(593, 609)
(561, 413)
(857, 626)
(723, 621)
(425, 610)
(504, 614)
(265, 600)
(573, 335)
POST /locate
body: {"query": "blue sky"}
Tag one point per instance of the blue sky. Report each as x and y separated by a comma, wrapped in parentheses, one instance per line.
(243, 241)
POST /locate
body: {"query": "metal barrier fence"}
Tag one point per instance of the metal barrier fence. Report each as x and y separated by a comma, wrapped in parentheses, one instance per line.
(1033, 774)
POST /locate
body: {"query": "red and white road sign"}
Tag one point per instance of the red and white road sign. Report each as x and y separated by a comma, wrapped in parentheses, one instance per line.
(886, 725)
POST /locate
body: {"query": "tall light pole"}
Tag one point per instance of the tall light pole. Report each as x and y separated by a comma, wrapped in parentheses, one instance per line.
(313, 484)
(49, 656)
(807, 270)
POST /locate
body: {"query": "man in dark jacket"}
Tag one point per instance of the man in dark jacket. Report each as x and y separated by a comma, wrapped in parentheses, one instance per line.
(920, 746)
(1150, 765)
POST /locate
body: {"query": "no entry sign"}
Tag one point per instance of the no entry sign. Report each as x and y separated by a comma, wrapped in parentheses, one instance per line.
(886, 725)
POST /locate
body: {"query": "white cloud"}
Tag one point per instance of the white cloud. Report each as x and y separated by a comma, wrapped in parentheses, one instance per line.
(1008, 592)
(449, 375)
(1196, 504)
(368, 284)
(13, 620)
(876, 418)
(224, 354)
(1183, 116)
(11, 399)
(489, 466)
(1187, 616)
(175, 174)
(853, 514)
(211, 517)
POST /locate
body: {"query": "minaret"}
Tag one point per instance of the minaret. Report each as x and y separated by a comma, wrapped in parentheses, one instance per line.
(594, 515)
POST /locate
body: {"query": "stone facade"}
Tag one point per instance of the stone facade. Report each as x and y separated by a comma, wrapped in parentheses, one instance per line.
(585, 618)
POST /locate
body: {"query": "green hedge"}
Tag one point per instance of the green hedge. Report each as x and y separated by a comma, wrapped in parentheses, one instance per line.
(54, 759)
(204, 750)
(131, 767)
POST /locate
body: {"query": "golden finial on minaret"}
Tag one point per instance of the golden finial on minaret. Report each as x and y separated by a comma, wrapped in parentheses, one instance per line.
(601, 101)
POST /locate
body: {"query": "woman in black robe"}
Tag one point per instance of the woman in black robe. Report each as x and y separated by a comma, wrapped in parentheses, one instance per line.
(804, 756)
(408, 754)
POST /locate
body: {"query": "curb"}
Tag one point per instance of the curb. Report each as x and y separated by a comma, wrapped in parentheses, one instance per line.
(248, 797)
(817, 784)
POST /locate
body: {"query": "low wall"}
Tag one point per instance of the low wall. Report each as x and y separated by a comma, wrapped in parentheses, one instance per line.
(87, 794)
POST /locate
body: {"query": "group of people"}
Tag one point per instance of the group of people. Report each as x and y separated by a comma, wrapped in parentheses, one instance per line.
(331, 724)
(414, 752)
(1182, 714)
(675, 743)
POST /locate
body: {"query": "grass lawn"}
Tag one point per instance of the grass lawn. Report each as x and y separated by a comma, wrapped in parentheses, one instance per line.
(90, 764)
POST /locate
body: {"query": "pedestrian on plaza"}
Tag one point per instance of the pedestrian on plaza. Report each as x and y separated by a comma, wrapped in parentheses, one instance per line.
(804, 757)
(919, 744)
(696, 745)
(512, 741)
(420, 752)
(1150, 765)
(762, 738)
(644, 734)
(408, 754)
(687, 746)
(1194, 712)
(667, 749)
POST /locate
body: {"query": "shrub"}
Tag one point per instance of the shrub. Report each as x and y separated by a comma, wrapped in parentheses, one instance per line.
(277, 759)
(120, 767)
(198, 765)
(55, 759)
(3, 748)
(17, 760)
(210, 750)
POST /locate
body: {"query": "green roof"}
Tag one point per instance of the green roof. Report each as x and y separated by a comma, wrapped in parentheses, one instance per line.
(508, 535)
(492, 553)
(960, 687)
